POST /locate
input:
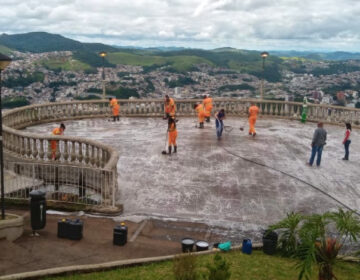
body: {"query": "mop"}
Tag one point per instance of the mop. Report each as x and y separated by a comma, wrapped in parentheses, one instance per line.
(166, 139)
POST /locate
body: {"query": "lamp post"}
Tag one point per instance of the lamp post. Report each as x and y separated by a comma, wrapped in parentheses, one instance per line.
(4, 62)
(103, 54)
(264, 55)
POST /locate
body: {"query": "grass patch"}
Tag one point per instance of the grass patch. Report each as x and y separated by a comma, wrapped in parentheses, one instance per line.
(5, 50)
(65, 64)
(257, 266)
(181, 63)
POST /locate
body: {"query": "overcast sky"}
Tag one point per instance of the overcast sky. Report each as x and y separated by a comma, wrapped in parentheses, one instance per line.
(245, 24)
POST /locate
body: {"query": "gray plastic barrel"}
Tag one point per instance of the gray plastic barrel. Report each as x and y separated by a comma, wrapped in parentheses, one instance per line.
(270, 239)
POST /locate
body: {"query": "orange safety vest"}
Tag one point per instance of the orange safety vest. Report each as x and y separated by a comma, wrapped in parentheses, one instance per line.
(170, 107)
(113, 102)
(207, 102)
(57, 131)
(253, 111)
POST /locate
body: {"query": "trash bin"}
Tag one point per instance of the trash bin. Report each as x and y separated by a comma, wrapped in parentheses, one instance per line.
(247, 246)
(270, 239)
(37, 210)
(120, 235)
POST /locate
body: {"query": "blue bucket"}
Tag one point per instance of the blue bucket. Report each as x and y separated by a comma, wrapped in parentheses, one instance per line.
(246, 246)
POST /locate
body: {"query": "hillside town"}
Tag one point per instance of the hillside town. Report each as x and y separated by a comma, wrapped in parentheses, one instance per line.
(50, 82)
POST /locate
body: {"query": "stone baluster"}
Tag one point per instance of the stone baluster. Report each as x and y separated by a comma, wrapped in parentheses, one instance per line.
(22, 146)
(73, 151)
(28, 147)
(41, 153)
(87, 154)
(92, 157)
(103, 158)
(98, 160)
(35, 148)
(66, 150)
(49, 151)
(80, 153)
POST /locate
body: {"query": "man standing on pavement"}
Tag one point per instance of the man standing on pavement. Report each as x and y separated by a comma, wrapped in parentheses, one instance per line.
(115, 108)
(253, 112)
(317, 144)
(207, 103)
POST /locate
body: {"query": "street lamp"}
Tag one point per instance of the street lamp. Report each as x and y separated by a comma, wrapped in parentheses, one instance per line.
(103, 54)
(264, 55)
(4, 62)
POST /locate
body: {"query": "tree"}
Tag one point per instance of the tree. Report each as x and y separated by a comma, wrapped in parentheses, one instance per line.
(357, 105)
(317, 240)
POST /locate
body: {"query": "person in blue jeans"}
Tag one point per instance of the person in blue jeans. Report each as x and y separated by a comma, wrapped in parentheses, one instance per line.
(219, 117)
(317, 144)
(347, 141)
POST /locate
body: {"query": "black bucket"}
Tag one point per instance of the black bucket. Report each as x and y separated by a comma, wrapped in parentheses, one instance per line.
(187, 245)
(202, 246)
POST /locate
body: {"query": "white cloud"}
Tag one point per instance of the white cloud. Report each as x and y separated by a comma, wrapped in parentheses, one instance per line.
(254, 24)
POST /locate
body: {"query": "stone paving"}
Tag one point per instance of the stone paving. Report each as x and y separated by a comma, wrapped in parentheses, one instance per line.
(207, 182)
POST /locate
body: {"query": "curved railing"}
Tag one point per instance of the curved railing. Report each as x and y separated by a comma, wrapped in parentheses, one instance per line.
(85, 153)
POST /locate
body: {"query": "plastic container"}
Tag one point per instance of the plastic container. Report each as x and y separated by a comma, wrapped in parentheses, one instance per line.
(270, 239)
(75, 229)
(202, 246)
(247, 246)
(120, 235)
(187, 245)
(37, 210)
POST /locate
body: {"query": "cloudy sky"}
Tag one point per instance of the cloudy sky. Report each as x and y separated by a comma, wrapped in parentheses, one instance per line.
(245, 24)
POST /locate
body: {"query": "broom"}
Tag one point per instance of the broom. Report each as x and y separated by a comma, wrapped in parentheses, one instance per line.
(164, 151)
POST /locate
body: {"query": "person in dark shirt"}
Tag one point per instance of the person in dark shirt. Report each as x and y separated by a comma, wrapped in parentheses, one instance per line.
(219, 117)
(317, 144)
(347, 141)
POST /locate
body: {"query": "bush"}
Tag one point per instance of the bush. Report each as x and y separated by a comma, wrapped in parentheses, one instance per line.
(219, 269)
(184, 267)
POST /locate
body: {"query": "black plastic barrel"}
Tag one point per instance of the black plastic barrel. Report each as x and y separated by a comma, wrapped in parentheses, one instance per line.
(37, 210)
(120, 235)
(270, 239)
(202, 246)
(187, 244)
(75, 229)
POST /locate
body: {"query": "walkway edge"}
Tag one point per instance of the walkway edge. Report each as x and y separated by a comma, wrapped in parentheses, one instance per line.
(103, 266)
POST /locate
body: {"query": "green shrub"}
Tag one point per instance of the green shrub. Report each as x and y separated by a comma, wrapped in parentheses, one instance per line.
(184, 267)
(219, 269)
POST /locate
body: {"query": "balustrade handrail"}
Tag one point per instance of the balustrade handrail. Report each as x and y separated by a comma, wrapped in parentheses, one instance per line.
(50, 112)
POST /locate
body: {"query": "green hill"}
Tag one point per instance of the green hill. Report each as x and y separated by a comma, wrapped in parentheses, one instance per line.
(38, 42)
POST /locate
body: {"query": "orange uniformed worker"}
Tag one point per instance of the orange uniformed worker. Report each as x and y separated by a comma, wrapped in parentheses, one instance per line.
(115, 107)
(169, 107)
(54, 143)
(172, 134)
(199, 108)
(253, 112)
(208, 105)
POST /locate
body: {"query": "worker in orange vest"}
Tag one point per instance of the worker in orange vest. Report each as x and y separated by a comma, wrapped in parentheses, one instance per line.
(172, 134)
(199, 108)
(115, 107)
(54, 144)
(169, 107)
(253, 112)
(207, 102)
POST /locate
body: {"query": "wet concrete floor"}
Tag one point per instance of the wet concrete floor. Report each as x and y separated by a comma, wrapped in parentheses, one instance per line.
(207, 181)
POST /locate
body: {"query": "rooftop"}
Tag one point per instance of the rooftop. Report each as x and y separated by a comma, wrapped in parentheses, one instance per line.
(230, 183)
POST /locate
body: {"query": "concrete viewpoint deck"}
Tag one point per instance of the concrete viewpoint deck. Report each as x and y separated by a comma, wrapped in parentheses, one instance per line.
(206, 181)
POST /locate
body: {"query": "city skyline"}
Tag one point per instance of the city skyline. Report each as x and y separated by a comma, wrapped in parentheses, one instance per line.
(256, 24)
